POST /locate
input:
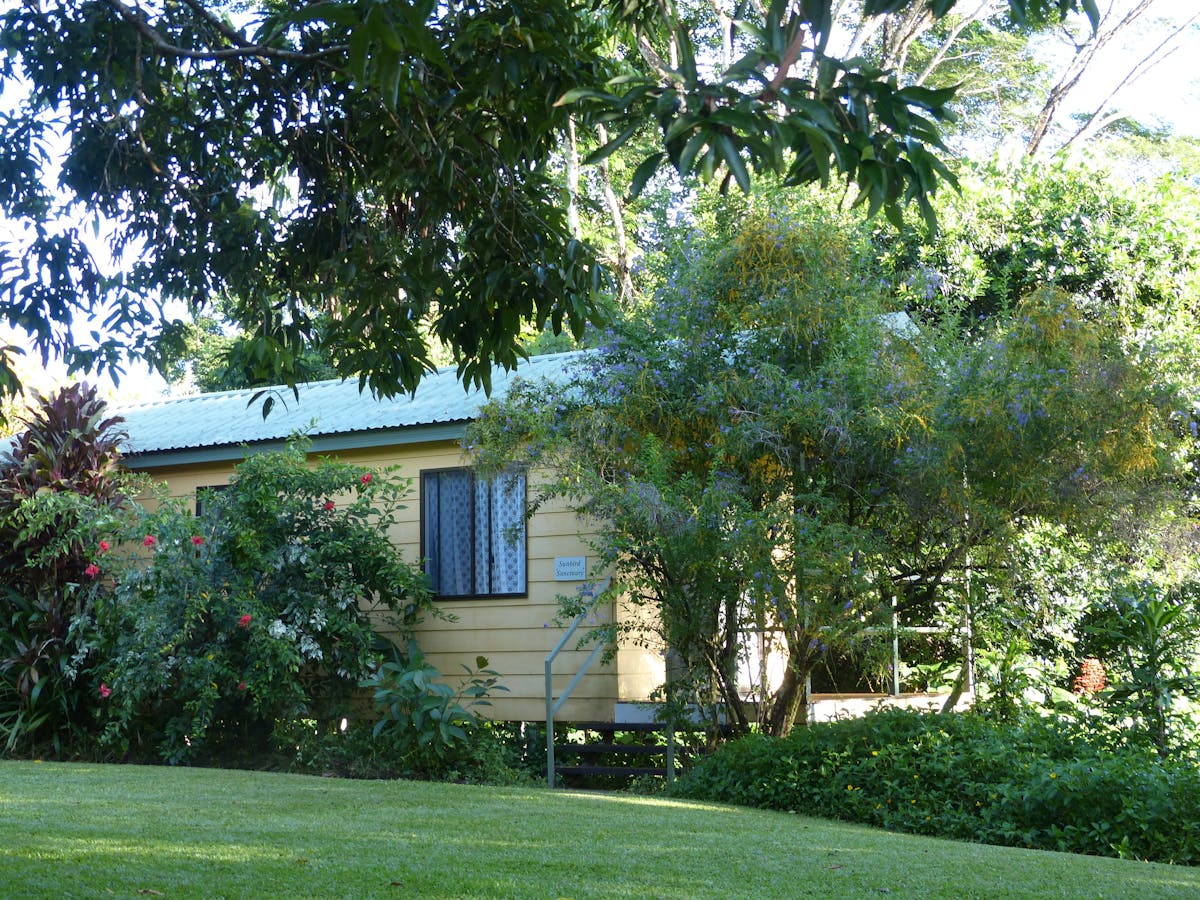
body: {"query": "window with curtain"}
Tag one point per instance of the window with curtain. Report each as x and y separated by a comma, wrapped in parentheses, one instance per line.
(473, 533)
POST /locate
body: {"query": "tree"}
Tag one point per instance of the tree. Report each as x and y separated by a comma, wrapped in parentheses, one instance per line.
(1000, 70)
(1121, 248)
(1127, 253)
(210, 358)
(1116, 21)
(1008, 85)
(772, 455)
(386, 164)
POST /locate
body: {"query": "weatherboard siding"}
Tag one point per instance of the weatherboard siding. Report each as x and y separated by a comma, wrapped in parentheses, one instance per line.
(513, 633)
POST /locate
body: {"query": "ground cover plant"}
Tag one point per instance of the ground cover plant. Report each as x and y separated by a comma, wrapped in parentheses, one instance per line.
(72, 830)
(1039, 783)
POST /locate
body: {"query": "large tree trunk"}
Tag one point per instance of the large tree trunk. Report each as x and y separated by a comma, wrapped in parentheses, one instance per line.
(621, 261)
(790, 703)
(573, 181)
(960, 686)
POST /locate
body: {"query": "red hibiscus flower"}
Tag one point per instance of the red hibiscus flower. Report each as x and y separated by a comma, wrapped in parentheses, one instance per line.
(244, 621)
(149, 540)
(365, 479)
(104, 546)
(197, 540)
(241, 686)
(92, 570)
(105, 691)
(329, 504)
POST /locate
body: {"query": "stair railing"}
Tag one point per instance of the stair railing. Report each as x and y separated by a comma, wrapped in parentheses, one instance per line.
(552, 705)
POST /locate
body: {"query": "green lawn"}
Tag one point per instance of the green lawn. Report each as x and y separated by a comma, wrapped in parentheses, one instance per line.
(127, 831)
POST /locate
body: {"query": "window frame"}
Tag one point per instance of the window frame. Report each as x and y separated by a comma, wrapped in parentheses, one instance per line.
(424, 476)
(204, 489)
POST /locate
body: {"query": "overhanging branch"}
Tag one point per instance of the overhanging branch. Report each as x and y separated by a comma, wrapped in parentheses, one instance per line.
(243, 48)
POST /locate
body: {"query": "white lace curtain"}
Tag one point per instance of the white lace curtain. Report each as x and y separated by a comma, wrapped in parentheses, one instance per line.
(474, 533)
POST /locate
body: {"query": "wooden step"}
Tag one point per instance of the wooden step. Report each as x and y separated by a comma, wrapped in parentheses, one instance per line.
(612, 727)
(602, 749)
(592, 749)
(610, 770)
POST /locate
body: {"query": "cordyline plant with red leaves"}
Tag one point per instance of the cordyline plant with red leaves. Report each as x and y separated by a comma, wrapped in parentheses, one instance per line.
(61, 489)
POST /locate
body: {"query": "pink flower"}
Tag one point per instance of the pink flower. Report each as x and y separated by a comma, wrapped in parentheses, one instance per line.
(197, 540)
(329, 504)
(104, 546)
(365, 479)
(241, 686)
(92, 570)
(244, 621)
(105, 691)
(149, 540)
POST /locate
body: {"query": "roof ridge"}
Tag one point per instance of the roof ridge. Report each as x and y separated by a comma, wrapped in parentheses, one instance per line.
(232, 392)
(328, 382)
(229, 418)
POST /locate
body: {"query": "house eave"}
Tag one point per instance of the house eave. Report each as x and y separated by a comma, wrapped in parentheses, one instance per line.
(331, 443)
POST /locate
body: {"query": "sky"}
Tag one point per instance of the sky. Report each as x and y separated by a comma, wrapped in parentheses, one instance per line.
(1168, 93)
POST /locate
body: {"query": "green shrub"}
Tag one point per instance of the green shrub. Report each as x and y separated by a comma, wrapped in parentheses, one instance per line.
(242, 634)
(258, 615)
(1152, 634)
(494, 753)
(1039, 783)
(426, 724)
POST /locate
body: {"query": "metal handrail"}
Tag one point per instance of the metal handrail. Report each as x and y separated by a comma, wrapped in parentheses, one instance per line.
(553, 706)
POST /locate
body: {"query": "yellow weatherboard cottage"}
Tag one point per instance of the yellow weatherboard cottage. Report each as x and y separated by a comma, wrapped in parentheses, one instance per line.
(497, 571)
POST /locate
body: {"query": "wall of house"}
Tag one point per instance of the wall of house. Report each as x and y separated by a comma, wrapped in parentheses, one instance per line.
(514, 634)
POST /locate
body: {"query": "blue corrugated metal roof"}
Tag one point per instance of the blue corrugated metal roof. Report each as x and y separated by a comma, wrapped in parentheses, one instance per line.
(160, 430)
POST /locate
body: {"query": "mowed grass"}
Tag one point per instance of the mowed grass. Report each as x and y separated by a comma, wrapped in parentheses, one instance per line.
(77, 830)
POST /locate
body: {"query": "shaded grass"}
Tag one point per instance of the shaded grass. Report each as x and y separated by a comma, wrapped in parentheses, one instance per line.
(72, 830)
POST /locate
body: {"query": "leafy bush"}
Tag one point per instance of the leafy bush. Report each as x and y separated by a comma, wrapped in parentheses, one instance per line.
(1152, 635)
(1042, 784)
(1109, 242)
(70, 444)
(494, 754)
(47, 693)
(257, 615)
(235, 634)
(425, 728)
(424, 721)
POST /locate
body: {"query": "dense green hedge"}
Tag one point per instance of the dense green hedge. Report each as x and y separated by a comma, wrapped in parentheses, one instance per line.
(1038, 784)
